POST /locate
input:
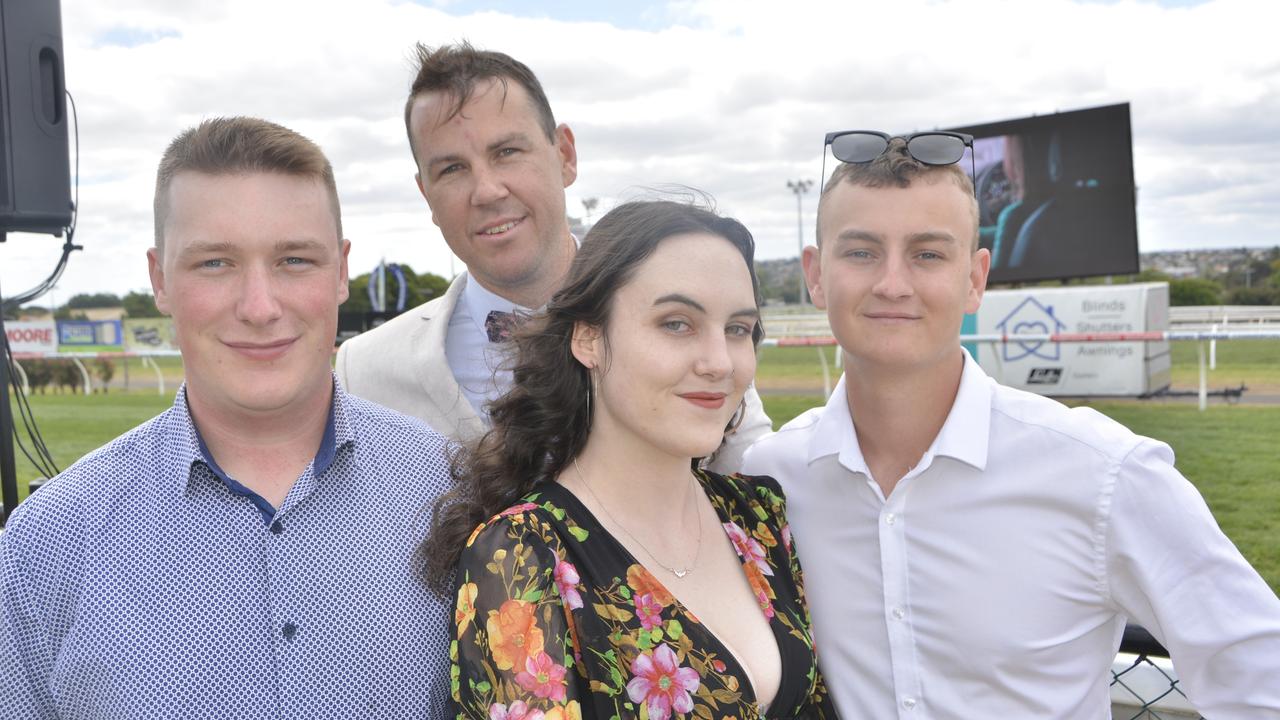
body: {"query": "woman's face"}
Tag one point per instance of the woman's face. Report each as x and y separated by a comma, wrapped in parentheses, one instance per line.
(679, 354)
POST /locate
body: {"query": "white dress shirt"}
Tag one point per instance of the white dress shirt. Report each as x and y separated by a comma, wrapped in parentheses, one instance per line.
(996, 578)
(479, 366)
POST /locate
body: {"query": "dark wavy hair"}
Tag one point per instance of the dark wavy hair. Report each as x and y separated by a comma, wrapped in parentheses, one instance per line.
(541, 424)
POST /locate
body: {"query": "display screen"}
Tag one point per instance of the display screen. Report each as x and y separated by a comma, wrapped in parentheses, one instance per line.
(1056, 195)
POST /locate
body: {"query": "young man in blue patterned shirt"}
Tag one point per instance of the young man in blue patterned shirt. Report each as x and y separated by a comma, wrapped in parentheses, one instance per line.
(249, 552)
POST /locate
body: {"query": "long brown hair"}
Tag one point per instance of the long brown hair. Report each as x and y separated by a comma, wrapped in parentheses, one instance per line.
(542, 422)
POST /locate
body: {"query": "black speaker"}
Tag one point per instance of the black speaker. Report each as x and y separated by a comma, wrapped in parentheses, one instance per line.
(35, 178)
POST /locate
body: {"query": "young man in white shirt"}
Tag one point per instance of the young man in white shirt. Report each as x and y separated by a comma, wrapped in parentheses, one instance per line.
(971, 550)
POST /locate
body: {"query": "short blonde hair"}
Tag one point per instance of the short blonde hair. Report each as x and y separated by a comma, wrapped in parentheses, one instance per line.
(236, 145)
(896, 168)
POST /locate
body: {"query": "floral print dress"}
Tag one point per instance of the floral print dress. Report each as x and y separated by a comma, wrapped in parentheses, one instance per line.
(556, 620)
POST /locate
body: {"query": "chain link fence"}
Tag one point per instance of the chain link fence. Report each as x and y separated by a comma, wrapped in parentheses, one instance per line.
(1143, 684)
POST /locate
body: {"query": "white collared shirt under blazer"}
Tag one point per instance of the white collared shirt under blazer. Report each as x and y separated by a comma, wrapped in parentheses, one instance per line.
(996, 579)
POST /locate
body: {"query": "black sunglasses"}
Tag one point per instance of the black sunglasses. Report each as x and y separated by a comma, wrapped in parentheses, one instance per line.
(933, 147)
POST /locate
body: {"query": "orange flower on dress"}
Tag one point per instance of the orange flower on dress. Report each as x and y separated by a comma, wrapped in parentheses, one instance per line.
(466, 608)
(570, 711)
(761, 588)
(514, 634)
(643, 582)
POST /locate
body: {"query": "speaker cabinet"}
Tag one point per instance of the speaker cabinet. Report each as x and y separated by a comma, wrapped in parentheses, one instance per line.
(35, 178)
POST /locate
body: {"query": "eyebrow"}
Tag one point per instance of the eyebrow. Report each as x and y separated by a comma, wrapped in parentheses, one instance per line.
(931, 236)
(686, 300)
(912, 239)
(205, 248)
(454, 157)
(284, 246)
(213, 247)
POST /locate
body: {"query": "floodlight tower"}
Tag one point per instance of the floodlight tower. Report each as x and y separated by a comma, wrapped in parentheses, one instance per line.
(800, 187)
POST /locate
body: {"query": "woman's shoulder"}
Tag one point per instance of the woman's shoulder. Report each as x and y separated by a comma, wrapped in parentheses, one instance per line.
(540, 516)
(760, 494)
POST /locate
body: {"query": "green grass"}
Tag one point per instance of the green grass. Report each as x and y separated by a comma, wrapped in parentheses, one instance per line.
(1256, 363)
(72, 425)
(1228, 452)
(794, 368)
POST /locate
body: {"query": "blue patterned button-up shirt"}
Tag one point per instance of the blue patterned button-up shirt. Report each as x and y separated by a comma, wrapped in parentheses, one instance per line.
(138, 584)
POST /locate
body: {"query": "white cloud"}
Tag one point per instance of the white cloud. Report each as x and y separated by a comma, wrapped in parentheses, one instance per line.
(732, 98)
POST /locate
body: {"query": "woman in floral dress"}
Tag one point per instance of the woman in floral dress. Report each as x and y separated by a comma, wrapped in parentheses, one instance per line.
(604, 574)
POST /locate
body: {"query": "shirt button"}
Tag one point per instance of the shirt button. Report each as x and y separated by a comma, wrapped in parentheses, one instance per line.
(908, 702)
(289, 631)
(899, 613)
(276, 528)
(890, 519)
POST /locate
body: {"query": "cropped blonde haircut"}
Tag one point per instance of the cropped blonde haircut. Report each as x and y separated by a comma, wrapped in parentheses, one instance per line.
(236, 146)
(896, 168)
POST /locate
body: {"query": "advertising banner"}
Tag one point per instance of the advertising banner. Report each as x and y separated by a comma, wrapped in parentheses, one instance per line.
(32, 336)
(1077, 369)
(149, 334)
(90, 336)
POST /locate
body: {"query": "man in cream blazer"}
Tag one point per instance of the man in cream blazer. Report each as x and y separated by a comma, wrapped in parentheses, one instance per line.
(492, 166)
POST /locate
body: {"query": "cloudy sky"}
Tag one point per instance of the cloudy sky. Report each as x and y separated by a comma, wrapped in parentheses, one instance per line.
(729, 96)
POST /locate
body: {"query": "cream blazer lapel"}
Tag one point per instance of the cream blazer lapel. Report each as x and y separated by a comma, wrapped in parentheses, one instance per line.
(447, 405)
(402, 365)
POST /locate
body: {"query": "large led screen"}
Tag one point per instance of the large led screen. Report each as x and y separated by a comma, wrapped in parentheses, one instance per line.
(1056, 195)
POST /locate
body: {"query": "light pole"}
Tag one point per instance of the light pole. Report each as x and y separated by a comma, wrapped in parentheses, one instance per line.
(800, 187)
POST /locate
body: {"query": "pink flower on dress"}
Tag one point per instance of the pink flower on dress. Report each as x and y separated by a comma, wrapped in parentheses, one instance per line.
(517, 711)
(649, 611)
(786, 537)
(662, 684)
(749, 549)
(543, 677)
(567, 581)
(517, 509)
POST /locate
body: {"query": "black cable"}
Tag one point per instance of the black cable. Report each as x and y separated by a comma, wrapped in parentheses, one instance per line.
(42, 460)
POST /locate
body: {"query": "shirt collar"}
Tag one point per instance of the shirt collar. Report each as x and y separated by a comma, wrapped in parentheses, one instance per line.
(964, 435)
(967, 430)
(480, 301)
(187, 447)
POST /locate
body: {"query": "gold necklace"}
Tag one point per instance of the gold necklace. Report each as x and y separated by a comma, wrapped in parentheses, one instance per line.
(679, 573)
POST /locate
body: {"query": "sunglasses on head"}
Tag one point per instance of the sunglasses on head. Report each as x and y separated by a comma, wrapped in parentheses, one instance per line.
(933, 147)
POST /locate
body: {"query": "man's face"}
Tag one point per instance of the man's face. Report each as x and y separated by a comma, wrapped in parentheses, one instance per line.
(495, 185)
(897, 272)
(252, 272)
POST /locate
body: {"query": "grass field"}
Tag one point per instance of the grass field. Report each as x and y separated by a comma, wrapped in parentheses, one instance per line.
(1229, 452)
(1256, 363)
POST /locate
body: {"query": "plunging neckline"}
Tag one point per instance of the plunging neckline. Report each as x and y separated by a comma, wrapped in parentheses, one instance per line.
(775, 626)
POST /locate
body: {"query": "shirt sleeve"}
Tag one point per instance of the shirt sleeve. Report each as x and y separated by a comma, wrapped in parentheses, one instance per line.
(26, 650)
(755, 425)
(512, 634)
(1172, 570)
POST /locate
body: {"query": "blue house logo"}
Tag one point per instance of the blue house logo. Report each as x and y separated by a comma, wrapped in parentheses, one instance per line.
(1030, 317)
